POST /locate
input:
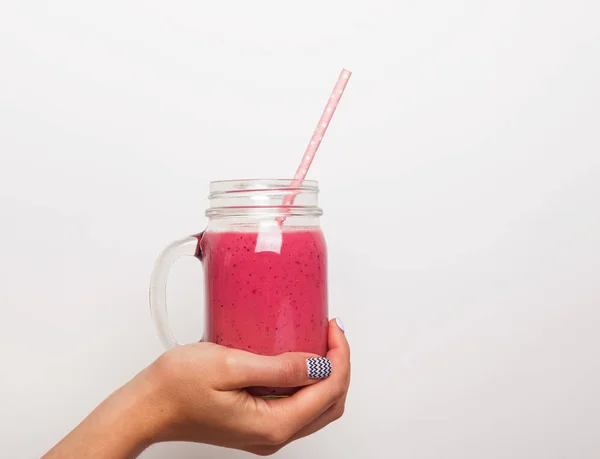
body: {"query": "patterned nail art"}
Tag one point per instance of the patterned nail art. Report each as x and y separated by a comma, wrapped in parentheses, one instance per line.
(318, 367)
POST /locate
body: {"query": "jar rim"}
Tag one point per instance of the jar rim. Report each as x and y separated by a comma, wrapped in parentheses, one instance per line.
(263, 198)
(227, 186)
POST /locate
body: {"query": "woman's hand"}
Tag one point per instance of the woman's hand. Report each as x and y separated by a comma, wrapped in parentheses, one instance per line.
(196, 393)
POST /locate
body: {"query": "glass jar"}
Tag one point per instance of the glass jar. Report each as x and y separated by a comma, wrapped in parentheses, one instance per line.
(265, 270)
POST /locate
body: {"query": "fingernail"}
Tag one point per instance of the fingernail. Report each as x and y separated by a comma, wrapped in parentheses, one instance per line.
(318, 367)
(340, 324)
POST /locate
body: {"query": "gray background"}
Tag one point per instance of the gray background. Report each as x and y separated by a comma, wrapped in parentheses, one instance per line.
(460, 180)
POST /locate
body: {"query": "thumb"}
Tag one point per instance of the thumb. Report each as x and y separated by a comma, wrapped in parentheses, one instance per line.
(291, 369)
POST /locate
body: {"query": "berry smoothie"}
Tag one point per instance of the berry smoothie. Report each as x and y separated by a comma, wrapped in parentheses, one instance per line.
(266, 301)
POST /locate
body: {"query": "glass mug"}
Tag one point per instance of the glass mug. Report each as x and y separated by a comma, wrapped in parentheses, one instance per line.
(265, 271)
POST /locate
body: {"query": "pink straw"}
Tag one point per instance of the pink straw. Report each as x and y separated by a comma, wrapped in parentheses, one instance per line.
(315, 141)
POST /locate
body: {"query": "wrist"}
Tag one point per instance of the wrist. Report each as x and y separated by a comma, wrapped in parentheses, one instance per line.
(149, 413)
(122, 426)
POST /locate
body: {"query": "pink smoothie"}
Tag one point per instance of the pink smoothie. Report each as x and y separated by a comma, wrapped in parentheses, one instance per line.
(266, 302)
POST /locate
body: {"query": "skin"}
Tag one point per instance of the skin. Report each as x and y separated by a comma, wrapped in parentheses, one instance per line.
(196, 393)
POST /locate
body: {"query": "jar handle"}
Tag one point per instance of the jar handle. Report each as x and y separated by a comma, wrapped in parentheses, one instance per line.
(189, 246)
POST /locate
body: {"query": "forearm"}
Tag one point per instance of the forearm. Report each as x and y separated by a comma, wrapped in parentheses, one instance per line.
(119, 428)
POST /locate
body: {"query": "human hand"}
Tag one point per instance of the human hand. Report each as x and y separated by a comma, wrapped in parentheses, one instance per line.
(196, 393)
(200, 388)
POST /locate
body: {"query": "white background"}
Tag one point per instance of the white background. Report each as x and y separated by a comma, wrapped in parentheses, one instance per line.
(460, 181)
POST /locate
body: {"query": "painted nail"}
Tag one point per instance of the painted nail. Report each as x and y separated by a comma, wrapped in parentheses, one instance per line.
(318, 367)
(339, 323)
